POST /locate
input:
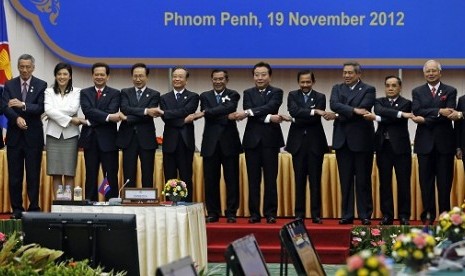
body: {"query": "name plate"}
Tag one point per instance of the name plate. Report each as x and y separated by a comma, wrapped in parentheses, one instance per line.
(140, 196)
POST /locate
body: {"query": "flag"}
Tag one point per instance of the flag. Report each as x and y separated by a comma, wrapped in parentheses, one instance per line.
(5, 61)
(104, 187)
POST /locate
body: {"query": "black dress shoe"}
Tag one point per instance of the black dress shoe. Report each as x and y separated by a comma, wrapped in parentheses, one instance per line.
(317, 220)
(231, 220)
(17, 215)
(386, 221)
(404, 221)
(346, 221)
(300, 217)
(254, 220)
(211, 219)
(366, 221)
(271, 220)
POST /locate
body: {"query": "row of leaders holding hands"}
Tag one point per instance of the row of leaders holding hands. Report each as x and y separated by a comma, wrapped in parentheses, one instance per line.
(25, 99)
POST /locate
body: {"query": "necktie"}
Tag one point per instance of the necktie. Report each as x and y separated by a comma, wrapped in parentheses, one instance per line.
(433, 91)
(218, 98)
(24, 91)
(391, 102)
(99, 94)
(139, 94)
(178, 97)
(305, 97)
(262, 93)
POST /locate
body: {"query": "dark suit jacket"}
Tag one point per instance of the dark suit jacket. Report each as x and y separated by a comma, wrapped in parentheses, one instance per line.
(349, 127)
(174, 114)
(138, 124)
(96, 112)
(305, 123)
(437, 130)
(218, 128)
(34, 135)
(397, 128)
(460, 125)
(256, 130)
(1, 113)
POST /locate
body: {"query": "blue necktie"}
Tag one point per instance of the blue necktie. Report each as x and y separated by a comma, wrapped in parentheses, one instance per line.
(139, 94)
(305, 98)
(178, 97)
(218, 98)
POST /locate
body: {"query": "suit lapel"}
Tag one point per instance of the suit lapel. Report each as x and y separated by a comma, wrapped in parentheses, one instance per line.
(354, 93)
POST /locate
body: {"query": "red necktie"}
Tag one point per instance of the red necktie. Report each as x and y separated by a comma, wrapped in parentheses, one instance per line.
(433, 91)
(99, 94)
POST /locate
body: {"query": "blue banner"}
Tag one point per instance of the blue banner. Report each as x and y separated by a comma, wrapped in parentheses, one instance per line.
(291, 33)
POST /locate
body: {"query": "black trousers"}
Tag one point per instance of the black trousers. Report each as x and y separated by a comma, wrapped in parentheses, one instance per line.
(212, 174)
(147, 164)
(307, 164)
(355, 178)
(387, 159)
(262, 159)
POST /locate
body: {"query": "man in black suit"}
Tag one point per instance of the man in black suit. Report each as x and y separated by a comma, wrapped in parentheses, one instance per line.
(353, 139)
(221, 145)
(432, 104)
(136, 134)
(2, 145)
(459, 127)
(177, 109)
(392, 145)
(262, 141)
(23, 104)
(307, 143)
(100, 105)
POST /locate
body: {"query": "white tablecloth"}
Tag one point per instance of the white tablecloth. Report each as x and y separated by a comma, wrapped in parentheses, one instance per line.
(164, 234)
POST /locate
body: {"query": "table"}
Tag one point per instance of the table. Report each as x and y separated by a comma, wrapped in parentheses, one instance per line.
(164, 234)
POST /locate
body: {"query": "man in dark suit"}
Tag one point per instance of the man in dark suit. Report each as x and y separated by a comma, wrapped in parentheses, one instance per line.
(23, 104)
(307, 143)
(136, 134)
(100, 105)
(432, 104)
(262, 141)
(221, 145)
(392, 145)
(177, 109)
(353, 139)
(459, 127)
(2, 145)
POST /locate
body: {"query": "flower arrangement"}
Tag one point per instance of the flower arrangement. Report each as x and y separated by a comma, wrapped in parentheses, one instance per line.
(365, 263)
(377, 239)
(415, 249)
(160, 140)
(175, 189)
(451, 225)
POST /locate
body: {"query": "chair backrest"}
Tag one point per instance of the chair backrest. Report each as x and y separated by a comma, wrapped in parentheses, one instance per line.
(296, 240)
(181, 267)
(244, 257)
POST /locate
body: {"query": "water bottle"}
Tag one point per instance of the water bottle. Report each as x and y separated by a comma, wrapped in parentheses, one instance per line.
(67, 195)
(77, 193)
(59, 195)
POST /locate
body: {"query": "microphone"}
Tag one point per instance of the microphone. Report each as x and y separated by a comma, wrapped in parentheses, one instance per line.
(118, 200)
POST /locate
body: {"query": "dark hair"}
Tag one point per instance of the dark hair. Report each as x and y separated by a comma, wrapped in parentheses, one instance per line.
(69, 86)
(305, 72)
(140, 65)
(399, 81)
(180, 67)
(262, 64)
(101, 64)
(214, 71)
(356, 65)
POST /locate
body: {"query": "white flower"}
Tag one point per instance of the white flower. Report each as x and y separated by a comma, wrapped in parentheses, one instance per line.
(225, 99)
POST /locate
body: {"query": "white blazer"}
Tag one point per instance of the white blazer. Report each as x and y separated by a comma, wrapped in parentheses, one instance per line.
(59, 111)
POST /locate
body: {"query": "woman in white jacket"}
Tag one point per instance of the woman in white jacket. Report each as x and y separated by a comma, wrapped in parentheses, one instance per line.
(62, 132)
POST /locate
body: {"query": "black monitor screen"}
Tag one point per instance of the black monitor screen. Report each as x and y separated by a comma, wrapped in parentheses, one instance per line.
(182, 267)
(244, 257)
(108, 240)
(298, 244)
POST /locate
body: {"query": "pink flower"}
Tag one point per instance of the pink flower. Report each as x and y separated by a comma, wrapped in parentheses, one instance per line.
(456, 219)
(2, 237)
(356, 241)
(443, 98)
(355, 262)
(375, 232)
(419, 241)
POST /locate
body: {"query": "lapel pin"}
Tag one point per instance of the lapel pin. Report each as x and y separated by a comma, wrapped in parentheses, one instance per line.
(396, 105)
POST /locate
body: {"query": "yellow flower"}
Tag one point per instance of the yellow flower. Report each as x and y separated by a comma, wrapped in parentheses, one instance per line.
(362, 272)
(418, 254)
(372, 262)
(341, 272)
